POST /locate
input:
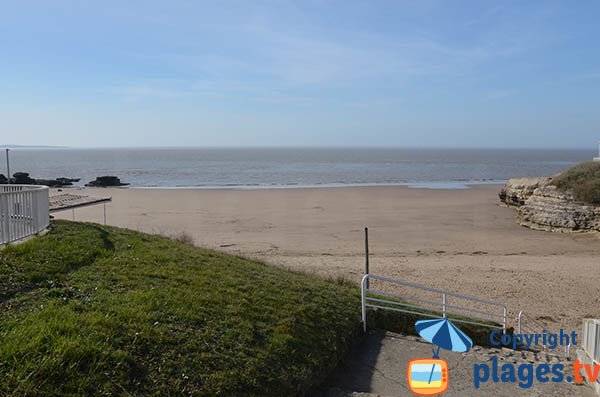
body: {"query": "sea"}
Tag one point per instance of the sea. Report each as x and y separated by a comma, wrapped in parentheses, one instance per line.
(257, 168)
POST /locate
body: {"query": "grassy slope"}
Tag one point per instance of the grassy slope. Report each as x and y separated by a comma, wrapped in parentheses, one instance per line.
(97, 310)
(583, 180)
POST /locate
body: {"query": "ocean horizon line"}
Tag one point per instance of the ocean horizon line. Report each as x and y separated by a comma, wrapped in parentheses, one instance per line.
(591, 148)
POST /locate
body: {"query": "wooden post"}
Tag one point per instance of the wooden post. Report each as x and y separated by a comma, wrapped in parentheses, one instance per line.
(367, 253)
(104, 214)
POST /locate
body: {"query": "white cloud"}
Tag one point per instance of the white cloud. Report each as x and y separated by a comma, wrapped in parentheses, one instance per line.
(264, 57)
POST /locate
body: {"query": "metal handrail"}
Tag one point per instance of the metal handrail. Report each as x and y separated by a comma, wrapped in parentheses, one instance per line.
(524, 327)
(521, 326)
(433, 303)
(444, 306)
(370, 299)
(419, 286)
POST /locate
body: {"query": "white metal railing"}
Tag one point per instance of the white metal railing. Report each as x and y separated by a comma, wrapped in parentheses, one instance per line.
(431, 308)
(591, 338)
(529, 325)
(24, 211)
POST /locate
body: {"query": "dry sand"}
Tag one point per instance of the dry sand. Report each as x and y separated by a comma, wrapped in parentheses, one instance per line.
(460, 240)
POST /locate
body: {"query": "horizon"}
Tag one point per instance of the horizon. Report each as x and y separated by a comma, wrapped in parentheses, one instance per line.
(285, 74)
(316, 147)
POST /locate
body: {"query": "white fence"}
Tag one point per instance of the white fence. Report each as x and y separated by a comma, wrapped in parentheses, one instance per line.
(24, 211)
(591, 338)
(461, 308)
(590, 352)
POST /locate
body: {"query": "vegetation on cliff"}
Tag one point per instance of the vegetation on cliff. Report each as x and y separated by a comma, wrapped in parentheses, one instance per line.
(583, 180)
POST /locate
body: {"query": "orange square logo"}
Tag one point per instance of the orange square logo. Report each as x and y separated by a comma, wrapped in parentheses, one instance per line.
(427, 376)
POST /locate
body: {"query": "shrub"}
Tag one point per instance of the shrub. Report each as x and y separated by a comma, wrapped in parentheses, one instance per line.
(583, 180)
(183, 237)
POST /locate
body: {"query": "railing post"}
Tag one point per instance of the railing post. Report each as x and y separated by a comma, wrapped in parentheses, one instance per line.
(33, 212)
(4, 204)
(4, 219)
(504, 320)
(363, 292)
(519, 331)
(367, 253)
(444, 305)
(544, 337)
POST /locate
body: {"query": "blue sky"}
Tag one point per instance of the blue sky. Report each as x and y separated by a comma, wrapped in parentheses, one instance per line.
(306, 73)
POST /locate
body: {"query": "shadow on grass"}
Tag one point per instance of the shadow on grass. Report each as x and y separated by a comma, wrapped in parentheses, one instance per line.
(356, 370)
(104, 236)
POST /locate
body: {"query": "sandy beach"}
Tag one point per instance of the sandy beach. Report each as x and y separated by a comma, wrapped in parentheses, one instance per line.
(461, 240)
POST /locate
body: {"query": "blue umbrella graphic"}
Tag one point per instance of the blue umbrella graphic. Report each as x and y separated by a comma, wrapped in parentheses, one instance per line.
(443, 334)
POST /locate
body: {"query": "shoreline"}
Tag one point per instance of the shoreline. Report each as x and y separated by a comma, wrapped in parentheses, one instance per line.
(431, 185)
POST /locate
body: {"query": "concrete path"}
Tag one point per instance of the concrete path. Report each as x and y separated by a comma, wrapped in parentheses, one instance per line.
(377, 367)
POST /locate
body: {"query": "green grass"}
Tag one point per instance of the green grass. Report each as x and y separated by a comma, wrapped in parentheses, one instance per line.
(94, 310)
(583, 180)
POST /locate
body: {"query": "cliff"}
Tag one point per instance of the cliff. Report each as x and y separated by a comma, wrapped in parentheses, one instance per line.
(516, 191)
(542, 206)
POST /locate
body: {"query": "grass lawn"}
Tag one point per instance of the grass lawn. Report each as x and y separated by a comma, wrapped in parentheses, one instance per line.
(95, 310)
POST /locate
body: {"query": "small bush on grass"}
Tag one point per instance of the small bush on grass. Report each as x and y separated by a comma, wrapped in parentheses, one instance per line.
(184, 237)
(583, 180)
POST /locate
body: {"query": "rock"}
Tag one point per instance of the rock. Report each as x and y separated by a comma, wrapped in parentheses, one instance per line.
(554, 210)
(106, 181)
(67, 181)
(516, 191)
(3, 179)
(542, 206)
(22, 178)
(51, 182)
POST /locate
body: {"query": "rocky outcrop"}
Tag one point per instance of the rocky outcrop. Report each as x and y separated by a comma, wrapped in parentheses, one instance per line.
(516, 191)
(542, 206)
(23, 178)
(552, 209)
(106, 181)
